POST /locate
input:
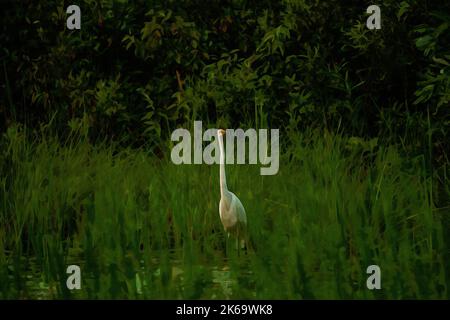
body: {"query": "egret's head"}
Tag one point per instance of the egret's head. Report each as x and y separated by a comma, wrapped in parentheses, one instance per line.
(220, 132)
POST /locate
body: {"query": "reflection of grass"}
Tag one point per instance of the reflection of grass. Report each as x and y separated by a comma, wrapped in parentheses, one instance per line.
(141, 228)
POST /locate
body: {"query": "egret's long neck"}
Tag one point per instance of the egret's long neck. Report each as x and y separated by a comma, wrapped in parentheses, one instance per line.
(223, 178)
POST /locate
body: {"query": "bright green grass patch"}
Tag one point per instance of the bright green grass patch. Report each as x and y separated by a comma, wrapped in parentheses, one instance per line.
(144, 228)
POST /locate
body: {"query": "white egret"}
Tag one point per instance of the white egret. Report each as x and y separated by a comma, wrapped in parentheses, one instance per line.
(231, 211)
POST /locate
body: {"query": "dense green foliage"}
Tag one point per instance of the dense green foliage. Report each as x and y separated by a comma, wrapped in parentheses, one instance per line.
(292, 64)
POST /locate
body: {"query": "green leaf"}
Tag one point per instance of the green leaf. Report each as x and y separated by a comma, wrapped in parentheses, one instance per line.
(404, 7)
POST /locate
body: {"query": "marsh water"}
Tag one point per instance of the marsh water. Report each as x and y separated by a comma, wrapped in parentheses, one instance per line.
(33, 283)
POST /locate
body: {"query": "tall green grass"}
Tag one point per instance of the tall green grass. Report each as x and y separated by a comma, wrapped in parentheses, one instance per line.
(143, 228)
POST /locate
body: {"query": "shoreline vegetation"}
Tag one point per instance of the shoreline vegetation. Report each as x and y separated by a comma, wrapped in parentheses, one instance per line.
(86, 177)
(142, 227)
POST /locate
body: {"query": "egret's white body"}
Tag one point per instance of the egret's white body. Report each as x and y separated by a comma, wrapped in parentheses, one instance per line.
(231, 211)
